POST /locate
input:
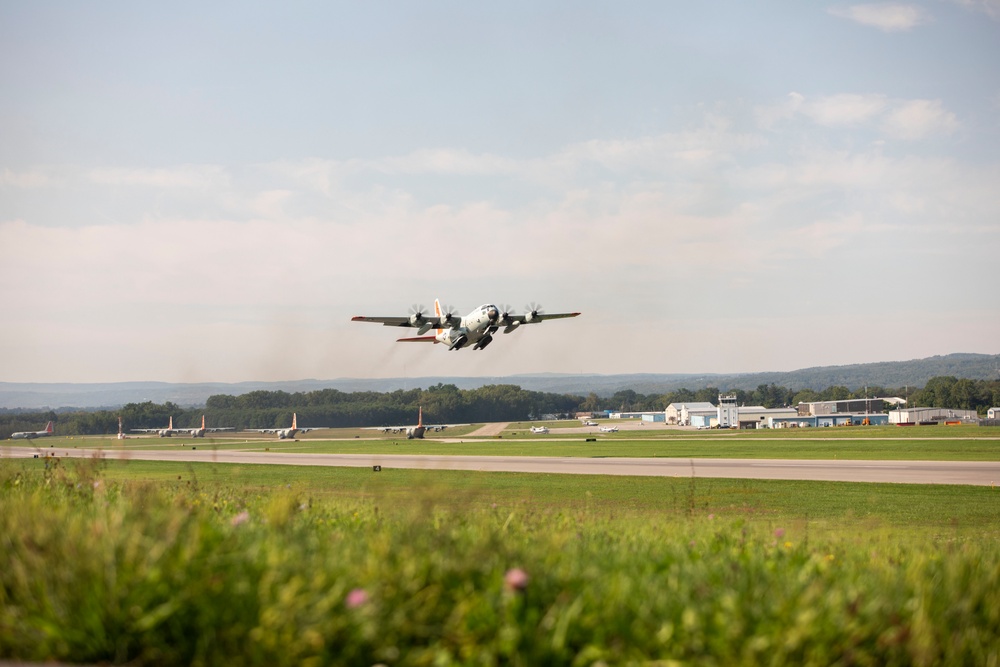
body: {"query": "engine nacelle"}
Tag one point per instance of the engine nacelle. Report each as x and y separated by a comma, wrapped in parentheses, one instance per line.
(530, 316)
(510, 327)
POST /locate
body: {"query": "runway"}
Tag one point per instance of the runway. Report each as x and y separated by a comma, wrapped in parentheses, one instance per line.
(980, 473)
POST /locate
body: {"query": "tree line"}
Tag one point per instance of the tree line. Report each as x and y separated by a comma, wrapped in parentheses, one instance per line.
(446, 403)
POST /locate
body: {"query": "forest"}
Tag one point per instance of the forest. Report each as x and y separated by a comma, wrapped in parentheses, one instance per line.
(446, 403)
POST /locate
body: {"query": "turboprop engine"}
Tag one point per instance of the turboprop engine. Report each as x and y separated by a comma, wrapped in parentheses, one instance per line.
(456, 340)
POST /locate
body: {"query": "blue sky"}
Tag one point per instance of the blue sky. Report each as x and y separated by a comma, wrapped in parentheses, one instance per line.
(209, 191)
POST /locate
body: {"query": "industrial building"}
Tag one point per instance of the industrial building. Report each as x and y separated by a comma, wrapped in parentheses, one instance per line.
(819, 421)
(746, 416)
(680, 413)
(846, 406)
(932, 416)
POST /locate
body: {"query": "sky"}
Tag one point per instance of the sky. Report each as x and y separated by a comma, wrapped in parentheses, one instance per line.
(194, 192)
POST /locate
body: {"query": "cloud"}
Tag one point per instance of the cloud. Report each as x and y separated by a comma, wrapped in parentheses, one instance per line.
(184, 176)
(908, 120)
(916, 119)
(844, 109)
(888, 17)
(253, 270)
(33, 178)
(989, 7)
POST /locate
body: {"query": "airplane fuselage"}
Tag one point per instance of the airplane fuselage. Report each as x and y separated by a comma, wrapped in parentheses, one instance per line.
(475, 329)
(31, 435)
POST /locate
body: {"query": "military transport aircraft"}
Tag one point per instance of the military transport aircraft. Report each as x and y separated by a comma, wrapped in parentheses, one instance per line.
(162, 432)
(199, 432)
(415, 432)
(286, 433)
(196, 432)
(29, 435)
(475, 329)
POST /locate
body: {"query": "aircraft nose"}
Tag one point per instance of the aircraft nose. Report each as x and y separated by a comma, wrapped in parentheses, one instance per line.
(493, 313)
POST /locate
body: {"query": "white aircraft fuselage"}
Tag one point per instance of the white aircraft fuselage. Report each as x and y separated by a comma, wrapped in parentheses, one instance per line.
(31, 435)
(475, 329)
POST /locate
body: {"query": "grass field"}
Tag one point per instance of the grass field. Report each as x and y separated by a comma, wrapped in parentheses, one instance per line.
(162, 563)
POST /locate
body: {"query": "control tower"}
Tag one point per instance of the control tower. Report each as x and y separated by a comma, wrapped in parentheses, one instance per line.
(729, 413)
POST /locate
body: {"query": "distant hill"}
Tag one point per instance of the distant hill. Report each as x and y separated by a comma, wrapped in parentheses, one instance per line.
(914, 373)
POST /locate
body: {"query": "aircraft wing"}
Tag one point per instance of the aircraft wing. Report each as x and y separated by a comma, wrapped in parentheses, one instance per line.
(431, 321)
(385, 321)
(221, 428)
(146, 430)
(540, 317)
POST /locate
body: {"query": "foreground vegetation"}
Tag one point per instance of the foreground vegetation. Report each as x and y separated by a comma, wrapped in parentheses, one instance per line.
(260, 565)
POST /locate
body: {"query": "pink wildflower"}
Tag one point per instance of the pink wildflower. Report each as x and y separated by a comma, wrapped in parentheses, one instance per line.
(779, 533)
(356, 598)
(240, 518)
(516, 579)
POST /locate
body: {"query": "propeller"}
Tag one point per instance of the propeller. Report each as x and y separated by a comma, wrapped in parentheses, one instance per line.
(417, 316)
(532, 311)
(448, 315)
(505, 313)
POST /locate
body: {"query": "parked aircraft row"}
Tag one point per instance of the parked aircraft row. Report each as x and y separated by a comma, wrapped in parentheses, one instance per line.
(475, 329)
(196, 432)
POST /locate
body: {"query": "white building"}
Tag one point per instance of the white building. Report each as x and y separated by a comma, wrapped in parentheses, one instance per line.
(680, 413)
(918, 415)
(728, 411)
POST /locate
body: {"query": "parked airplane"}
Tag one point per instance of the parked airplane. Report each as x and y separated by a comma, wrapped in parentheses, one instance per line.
(162, 432)
(475, 329)
(286, 433)
(417, 431)
(30, 435)
(590, 423)
(539, 429)
(199, 432)
(609, 429)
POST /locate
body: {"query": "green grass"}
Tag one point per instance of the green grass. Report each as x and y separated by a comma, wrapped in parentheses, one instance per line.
(152, 563)
(874, 443)
(833, 504)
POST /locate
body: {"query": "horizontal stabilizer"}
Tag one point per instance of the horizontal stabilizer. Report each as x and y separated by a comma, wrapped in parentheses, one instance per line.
(418, 339)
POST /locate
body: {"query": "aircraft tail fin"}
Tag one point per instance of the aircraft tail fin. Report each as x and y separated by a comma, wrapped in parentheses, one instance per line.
(203, 421)
(295, 420)
(420, 416)
(171, 424)
(438, 312)
(48, 427)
